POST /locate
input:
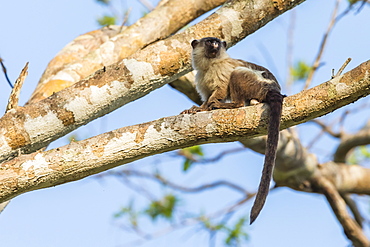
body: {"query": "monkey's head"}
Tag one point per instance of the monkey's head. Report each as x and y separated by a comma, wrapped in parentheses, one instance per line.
(210, 47)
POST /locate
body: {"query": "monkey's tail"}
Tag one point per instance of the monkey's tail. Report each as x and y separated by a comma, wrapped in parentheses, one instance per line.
(275, 100)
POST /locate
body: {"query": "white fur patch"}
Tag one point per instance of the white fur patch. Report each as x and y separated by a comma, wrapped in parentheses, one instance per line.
(257, 73)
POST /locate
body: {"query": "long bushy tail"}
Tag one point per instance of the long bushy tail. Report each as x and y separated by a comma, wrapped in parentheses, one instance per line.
(275, 101)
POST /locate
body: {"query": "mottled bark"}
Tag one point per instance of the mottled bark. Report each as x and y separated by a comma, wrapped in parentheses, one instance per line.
(80, 159)
(96, 49)
(28, 129)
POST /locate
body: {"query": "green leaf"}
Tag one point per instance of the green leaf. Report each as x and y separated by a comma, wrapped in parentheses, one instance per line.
(352, 159)
(210, 226)
(359, 155)
(364, 151)
(129, 212)
(300, 70)
(191, 154)
(187, 165)
(123, 211)
(105, 2)
(236, 234)
(351, 2)
(196, 150)
(164, 207)
(107, 20)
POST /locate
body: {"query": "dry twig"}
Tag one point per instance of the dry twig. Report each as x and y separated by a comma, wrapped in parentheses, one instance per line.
(343, 67)
(316, 64)
(5, 72)
(157, 178)
(14, 95)
(327, 129)
(125, 18)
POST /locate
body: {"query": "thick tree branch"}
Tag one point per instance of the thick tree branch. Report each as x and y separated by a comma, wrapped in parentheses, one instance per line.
(350, 141)
(129, 79)
(352, 230)
(104, 47)
(80, 159)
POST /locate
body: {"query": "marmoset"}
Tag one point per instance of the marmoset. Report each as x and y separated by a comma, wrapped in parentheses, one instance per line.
(226, 83)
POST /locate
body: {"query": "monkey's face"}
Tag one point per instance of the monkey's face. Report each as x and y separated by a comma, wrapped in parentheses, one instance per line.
(210, 45)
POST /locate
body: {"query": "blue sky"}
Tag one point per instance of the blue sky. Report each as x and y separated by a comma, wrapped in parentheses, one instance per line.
(81, 213)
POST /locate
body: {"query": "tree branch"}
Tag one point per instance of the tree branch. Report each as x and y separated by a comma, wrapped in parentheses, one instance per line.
(350, 141)
(104, 47)
(327, 129)
(334, 19)
(352, 230)
(14, 95)
(125, 81)
(162, 180)
(80, 159)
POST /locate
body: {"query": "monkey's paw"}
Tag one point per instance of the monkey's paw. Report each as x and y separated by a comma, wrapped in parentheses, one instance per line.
(194, 109)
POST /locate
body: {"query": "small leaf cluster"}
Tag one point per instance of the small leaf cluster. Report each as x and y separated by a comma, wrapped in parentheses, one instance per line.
(109, 19)
(359, 155)
(191, 154)
(235, 235)
(300, 70)
(162, 208)
(131, 214)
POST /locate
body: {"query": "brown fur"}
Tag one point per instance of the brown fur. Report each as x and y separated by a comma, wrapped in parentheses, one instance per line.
(221, 79)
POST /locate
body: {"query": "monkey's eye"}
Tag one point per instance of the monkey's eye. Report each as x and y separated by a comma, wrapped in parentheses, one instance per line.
(264, 75)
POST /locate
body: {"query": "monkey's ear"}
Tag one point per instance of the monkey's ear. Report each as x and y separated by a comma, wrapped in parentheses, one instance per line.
(194, 43)
(224, 44)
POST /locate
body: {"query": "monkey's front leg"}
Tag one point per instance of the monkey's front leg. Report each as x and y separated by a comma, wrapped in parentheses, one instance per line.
(211, 103)
(195, 109)
(215, 101)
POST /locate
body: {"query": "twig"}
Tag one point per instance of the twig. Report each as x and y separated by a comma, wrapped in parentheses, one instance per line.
(352, 230)
(14, 95)
(343, 67)
(354, 209)
(326, 128)
(322, 46)
(191, 221)
(210, 160)
(221, 155)
(3, 205)
(125, 18)
(290, 47)
(147, 4)
(160, 179)
(137, 188)
(5, 72)
(343, 118)
(362, 5)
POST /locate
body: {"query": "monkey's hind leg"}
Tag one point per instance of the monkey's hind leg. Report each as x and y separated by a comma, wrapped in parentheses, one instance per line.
(232, 105)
